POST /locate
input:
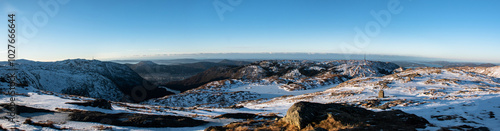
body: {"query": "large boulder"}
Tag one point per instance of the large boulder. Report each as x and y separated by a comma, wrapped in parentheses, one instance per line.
(303, 114)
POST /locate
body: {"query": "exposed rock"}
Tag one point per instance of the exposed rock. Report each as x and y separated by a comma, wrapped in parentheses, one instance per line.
(246, 116)
(100, 103)
(464, 128)
(137, 120)
(48, 123)
(24, 109)
(302, 114)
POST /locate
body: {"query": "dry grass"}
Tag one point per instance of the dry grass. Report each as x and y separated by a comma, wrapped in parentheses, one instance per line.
(303, 98)
(329, 123)
(280, 125)
(247, 125)
(437, 71)
(343, 94)
(353, 82)
(383, 84)
(101, 127)
(405, 78)
(68, 110)
(241, 128)
(47, 123)
(446, 82)
(16, 94)
(434, 92)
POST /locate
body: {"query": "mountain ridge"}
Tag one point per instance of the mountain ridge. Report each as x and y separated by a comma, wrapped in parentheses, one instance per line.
(92, 78)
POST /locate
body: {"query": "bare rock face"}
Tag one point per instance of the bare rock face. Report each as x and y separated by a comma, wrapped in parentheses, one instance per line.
(135, 119)
(302, 114)
(246, 116)
(100, 103)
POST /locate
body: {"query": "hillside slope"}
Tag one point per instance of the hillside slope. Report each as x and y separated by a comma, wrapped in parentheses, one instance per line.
(447, 97)
(161, 74)
(91, 78)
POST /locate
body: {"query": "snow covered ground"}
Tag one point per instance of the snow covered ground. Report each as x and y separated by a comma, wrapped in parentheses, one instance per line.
(274, 90)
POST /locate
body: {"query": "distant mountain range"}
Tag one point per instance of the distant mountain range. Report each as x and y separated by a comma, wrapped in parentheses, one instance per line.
(181, 61)
(214, 57)
(445, 64)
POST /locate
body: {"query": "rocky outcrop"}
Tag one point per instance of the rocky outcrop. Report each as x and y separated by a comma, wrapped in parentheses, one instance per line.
(302, 114)
(99, 103)
(306, 116)
(22, 109)
(246, 116)
(135, 119)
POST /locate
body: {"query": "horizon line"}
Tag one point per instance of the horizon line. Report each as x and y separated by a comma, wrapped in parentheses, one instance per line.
(335, 56)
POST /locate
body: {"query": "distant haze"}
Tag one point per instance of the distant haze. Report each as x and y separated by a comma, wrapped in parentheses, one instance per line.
(291, 56)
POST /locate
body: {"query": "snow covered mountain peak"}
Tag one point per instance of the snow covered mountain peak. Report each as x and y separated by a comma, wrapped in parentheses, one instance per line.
(91, 78)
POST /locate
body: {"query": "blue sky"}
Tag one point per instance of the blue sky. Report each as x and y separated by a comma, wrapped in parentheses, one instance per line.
(463, 30)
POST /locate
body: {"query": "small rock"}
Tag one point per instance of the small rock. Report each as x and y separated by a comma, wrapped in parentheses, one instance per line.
(381, 94)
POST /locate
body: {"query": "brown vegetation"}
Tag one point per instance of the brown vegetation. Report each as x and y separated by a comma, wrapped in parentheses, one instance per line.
(47, 123)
